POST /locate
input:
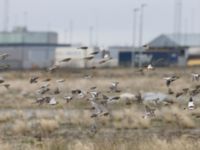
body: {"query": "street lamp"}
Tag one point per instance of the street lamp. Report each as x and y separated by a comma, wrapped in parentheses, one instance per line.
(141, 32)
(134, 27)
(141, 23)
(91, 29)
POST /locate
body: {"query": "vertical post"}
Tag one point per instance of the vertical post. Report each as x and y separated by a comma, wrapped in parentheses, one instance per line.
(71, 31)
(134, 27)
(141, 24)
(26, 19)
(141, 32)
(85, 60)
(96, 31)
(66, 36)
(134, 31)
(177, 17)
(91, 36)
(6, 15)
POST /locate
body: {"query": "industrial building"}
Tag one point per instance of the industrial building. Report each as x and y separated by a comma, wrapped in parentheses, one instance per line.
(27, 49)
(165, 50)
(122, 55)
(184, 47)
(77, 57)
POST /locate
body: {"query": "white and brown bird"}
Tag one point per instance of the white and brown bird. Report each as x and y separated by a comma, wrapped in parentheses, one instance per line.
(94, 53)
(195, 76)
(6, 85)
(149, 112)
(110, 99)
(34, 79)
(83, 47)
(150, 67)
(99, 109)
(65, 60)
(53, 68)
(170, 79)
(114, 87)
(191, 104)
(3, 56)
(60, 80)
(68, 98)
(88, 58)
(53, 101)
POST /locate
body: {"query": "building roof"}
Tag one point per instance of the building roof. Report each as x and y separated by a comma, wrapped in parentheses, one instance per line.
(126, 48)
(175, 40)
(34, 45)
(22, 35)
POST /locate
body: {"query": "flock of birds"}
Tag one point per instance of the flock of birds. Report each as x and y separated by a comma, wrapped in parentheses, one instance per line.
(88, 57)
(99, 100)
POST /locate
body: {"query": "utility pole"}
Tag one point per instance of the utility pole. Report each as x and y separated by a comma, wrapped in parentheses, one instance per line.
(71, 31)
(141, 24)
(6, 15)
(178, 17)
(141, 32)
(26, 19)
(91, 28)
(134, 27)
(96, 31)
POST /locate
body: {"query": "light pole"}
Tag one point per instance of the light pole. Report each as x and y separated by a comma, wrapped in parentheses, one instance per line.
(6, 15)
(134, 27)
(135, 10)
(141, 24)
(71, 24)
(141, 32)
(91, 29)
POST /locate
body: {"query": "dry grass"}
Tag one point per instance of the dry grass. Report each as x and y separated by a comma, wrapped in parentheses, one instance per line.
(67, 125)
(176, 116)
(20, 127)
(48, 126)
(153, 143)
(22, 93)
(5, 117)
(130, 118)
(5, 146)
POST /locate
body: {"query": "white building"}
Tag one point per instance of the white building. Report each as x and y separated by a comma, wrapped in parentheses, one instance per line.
(77, 57)
(28, 49)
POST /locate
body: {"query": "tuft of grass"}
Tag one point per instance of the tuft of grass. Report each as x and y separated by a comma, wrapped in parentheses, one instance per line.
(130, 118)
(48, 125)
(177, 116)
(5, 117)
(20, 127)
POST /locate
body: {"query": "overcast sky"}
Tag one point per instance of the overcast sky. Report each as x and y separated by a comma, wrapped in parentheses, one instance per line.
(111, 19)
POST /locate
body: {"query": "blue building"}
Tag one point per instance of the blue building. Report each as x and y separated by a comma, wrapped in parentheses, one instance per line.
(186, 46)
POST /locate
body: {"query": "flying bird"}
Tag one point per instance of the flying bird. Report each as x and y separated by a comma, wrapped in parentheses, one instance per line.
(195, 76)
(150, 67)
(170, 79)
(94, 53)
(53, 68)
(114, 87)
(7, 86)
(191, 104)
(65, 60)
(3, 56)
(83, 47)
(68, 98)
(34, 79)
(60, 80)
(88, 57)
(53, 101)
(149, 112)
